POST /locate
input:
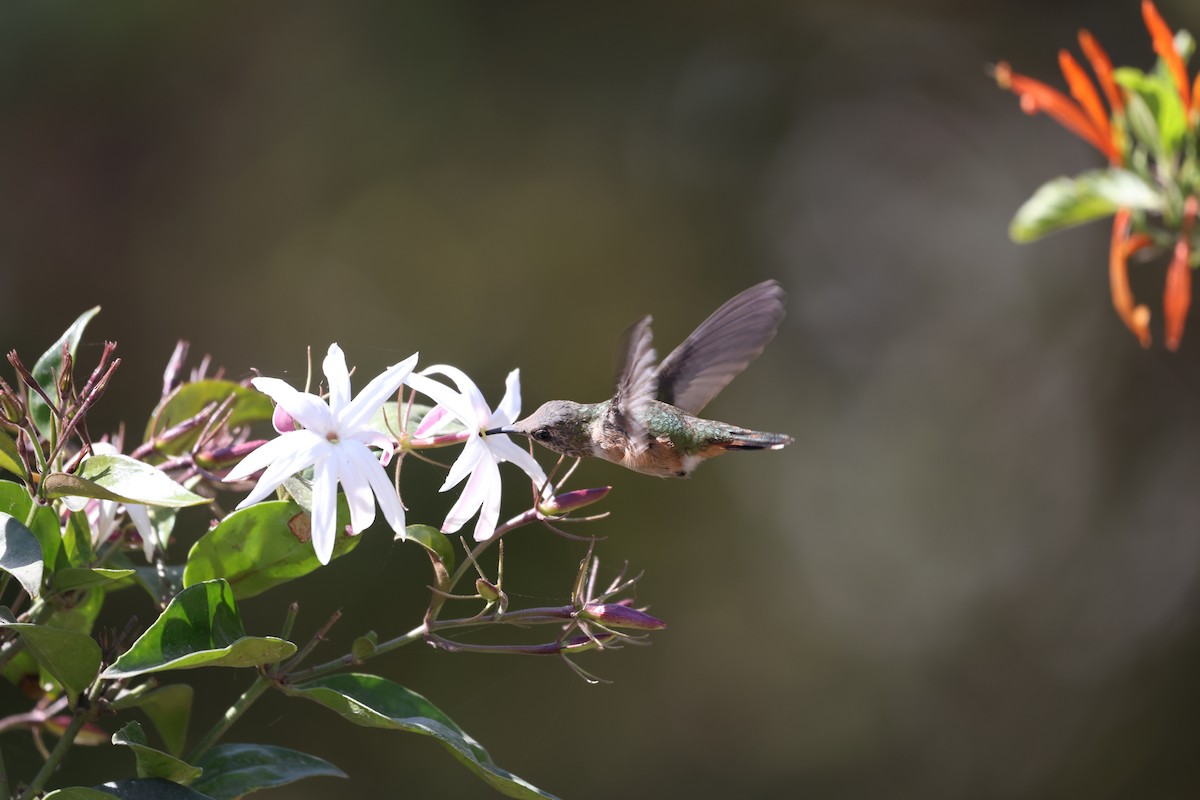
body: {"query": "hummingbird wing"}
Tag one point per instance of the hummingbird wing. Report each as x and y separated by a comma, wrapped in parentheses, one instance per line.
(637, 384)
(721, 347)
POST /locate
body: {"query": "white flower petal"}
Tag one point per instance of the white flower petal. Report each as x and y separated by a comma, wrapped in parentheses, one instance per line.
(472, 497)
(468, 460)
(510, 406)
(101, 517)
(443, 395)
(468, 388)
(381, 388)
(381, 485)
(338, 378)
(324, 510)
(504, 449)
(307, 409)
(280, 447)
(313, 450)
(75, 502)
(489, 512)
(437, 418)
(356, 485)
(141, 520)
(286, 447)
(371, 437)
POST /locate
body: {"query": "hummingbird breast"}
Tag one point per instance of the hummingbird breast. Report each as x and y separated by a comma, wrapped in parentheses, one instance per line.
(676, 442)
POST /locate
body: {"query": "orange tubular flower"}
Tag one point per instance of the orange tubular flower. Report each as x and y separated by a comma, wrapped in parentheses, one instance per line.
(1177, 295)
(1164, 45)
(1036, 96)
(1135, 317)
(1084, 91)
(1102, 66)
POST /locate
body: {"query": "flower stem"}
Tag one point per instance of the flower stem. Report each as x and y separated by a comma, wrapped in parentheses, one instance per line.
(56, 755)
(239, 707)
(5, 793)
(516, 522)
(349, 660)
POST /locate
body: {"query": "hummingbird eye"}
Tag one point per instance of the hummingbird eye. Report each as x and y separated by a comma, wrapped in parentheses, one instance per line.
(542, 434)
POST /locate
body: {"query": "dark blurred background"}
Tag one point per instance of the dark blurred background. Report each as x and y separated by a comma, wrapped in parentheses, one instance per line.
(974, 574)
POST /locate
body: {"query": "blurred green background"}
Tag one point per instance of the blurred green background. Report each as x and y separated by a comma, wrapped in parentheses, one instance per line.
(974, 574)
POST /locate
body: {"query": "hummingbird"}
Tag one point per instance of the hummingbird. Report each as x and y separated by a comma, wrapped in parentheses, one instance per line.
(650, 425)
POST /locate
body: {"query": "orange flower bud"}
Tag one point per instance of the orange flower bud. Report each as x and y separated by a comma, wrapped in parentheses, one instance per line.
(1036, 96)
(1164, 45)
(1136, 318)
(1084, 91)
(1177, 294)
(1102, 66)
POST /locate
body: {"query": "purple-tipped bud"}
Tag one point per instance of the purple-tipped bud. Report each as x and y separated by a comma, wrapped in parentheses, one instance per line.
(283, 421)
(227, 456)
(617, 615)
(569, 501)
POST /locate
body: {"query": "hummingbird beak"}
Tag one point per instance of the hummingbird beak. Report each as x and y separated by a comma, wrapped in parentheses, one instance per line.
(502, 429)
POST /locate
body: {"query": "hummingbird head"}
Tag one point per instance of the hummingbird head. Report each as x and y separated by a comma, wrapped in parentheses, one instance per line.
(560, 425)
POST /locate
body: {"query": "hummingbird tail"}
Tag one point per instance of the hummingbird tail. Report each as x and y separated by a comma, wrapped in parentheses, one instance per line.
(757, 440)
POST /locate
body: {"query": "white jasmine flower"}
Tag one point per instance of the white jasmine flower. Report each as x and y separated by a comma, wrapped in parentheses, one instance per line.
(479, 461)
(333, 439)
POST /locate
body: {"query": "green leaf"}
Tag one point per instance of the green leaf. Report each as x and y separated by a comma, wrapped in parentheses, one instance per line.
(138, 789)
(48, 367)
(10, 458)
(249, 405)
(1065, 201)
(73, 658)
(151, 762)
(78, 793)
(234, 770)
(72, 578)
(374, 702)
(121, 478)
(1156, 90)
(151, 580)
(262, 546)
(78, 617)
(76, 542)
(437, 544)
(20, 554)
(299, 489)
(168, 707)
(199, 628)
(15, 501)
(162, 519)
(1142, 124)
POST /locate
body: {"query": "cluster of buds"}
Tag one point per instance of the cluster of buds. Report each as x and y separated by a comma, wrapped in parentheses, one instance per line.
(592, 620)
(1145, 125)
(46, 443)
(44, 426)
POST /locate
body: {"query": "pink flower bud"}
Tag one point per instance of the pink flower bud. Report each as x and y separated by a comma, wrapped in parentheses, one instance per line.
(618, 615)
(224, 456)
(282, 420)
(569, 501)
